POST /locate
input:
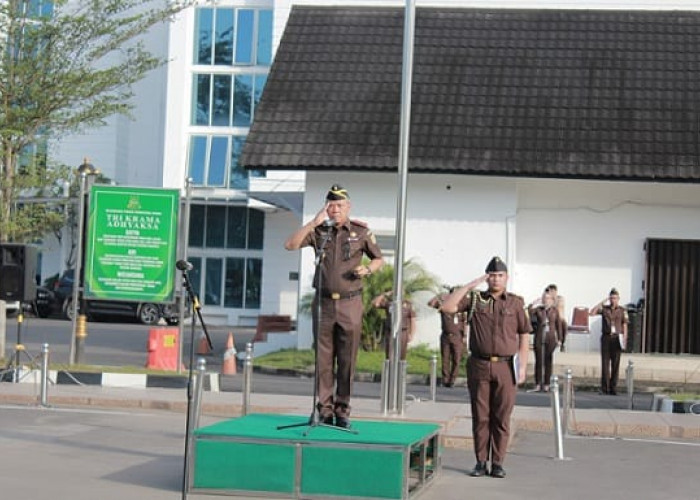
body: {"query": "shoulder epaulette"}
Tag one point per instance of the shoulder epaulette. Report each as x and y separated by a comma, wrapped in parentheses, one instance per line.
(359, 223)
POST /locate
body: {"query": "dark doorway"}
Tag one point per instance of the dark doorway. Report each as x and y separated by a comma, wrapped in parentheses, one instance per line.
(672, 297)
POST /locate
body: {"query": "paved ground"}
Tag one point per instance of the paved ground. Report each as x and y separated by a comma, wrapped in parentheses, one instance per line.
(83, 454)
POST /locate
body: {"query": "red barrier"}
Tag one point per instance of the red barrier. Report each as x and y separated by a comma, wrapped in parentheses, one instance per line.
(163, 347)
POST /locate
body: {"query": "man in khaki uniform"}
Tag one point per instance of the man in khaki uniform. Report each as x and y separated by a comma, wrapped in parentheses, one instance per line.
(499, 329)
(408, 323)
(613, 338)
(339, 275)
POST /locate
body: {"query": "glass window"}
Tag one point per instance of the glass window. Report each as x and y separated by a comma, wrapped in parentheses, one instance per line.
(243, 88)
(264, 54)
(47, 8)
(203, 28)
(239, 176)
(217, 161)
(212, 282)
(221, 114)
(216, 226)
(260, 82)
(201, 88)
(198, 156)
(233, 291)
(196, 237)
(244, 36)
(256, 229)
(223, 50)
(237, 227)
(253, 281)
(196, 274)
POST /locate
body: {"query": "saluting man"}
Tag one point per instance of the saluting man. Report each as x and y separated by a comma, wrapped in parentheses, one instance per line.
(499, 329)
(340, 274)
(612, 340)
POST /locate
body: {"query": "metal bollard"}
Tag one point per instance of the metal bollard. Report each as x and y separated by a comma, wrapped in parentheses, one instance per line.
(433, 378)
(44, 375)
(629, 378)
(567, 400)
(559, 444)
(198, 385)
(402, 386)
(247, 375)
(384, 396)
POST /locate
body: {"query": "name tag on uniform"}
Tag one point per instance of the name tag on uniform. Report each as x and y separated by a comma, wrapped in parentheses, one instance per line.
(612, 329)
(455, 319)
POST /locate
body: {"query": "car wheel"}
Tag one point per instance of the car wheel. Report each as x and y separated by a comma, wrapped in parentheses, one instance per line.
(149, 314)
(68, 308)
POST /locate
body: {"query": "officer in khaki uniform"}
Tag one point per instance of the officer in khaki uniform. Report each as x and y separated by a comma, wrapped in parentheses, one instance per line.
(452, 338)
(612, 339)
(499, 329)
(408, 323)
(340, 274)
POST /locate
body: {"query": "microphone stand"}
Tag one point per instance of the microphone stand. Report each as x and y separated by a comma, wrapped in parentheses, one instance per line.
(315, 418)
(196, 310)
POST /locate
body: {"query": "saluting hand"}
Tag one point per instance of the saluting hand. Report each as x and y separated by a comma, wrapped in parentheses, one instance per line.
(321, 216)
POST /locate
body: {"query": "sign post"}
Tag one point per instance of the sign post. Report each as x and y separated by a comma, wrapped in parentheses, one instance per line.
(131, 244)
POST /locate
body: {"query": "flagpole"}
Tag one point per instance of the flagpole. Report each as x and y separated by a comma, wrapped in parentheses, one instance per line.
(395, 393)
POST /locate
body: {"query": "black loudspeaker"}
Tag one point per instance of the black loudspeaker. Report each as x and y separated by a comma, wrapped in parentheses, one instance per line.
(17, 272)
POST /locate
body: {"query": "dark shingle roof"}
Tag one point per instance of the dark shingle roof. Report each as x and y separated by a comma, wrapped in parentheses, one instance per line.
(553, 93)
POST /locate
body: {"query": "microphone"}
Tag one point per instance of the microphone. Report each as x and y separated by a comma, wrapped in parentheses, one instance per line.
(183, 265)
(328, 223)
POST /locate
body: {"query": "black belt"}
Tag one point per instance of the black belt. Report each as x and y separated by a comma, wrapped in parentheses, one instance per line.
(340, 295)
(493, 359)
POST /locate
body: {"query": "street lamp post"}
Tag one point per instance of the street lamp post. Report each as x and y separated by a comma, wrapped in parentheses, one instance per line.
(79, 321)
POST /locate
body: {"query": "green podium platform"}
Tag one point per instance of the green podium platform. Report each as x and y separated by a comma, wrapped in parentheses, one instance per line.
(249, 456)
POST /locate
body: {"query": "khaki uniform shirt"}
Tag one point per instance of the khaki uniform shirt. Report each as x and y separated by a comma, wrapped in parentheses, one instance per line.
(613, 319)
(343, 253)
(496, 323)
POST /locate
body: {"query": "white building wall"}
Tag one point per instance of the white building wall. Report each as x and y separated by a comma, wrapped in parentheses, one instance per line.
(279, 291)
(588, 236)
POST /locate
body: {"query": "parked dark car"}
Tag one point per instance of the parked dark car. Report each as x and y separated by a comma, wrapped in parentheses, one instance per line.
(148, 313)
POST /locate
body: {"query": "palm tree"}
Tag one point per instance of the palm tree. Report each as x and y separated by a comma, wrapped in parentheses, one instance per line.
(415, 278)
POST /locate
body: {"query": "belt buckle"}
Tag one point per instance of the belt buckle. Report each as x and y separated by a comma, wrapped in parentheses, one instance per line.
(335, 296)
(494, 359)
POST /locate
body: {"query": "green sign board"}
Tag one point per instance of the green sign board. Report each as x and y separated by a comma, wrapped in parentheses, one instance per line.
(131, 244)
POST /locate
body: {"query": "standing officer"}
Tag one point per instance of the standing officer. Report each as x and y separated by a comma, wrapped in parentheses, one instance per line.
(452, 338)
(340, 273)
(559, 303)
(614, 324)
(548, 335)
(408, 322)
(499, 331)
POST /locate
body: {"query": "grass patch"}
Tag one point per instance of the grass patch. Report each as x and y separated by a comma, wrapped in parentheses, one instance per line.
(686, 396)
(367, 362)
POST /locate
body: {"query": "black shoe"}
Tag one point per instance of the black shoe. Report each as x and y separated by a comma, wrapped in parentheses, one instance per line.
(613, 392)
(327, 420)
(480, 469)
(562, 348)
(342, 422)
(498, 471)
(448, 384)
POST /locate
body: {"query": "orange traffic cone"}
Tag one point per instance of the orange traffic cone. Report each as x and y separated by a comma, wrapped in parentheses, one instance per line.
(229, 365)
(203, 346)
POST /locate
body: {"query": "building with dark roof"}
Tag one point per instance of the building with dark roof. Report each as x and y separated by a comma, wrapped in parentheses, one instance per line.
(562, 140)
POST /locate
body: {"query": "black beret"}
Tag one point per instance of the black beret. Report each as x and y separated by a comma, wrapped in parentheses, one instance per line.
(337, 192)
(497, 266)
